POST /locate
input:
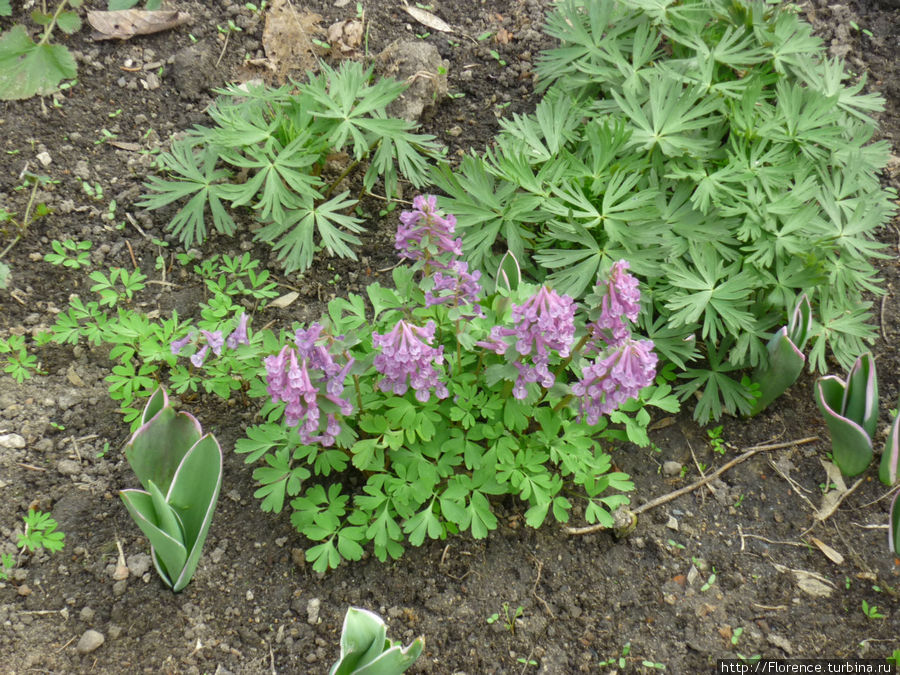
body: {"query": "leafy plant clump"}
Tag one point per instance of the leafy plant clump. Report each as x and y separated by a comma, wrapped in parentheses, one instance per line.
(714, 146)
(437, 398)
(29, 68)
(285, 153)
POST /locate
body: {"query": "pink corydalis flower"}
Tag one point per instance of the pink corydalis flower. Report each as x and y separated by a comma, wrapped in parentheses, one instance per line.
(621, 300)
(426, 229)
(407, 359)
(614, 378)
(239, 335)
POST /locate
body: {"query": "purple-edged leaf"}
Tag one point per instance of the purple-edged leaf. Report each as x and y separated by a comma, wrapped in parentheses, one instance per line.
(169, 554)
(801, 322)
(889, 470)
(861, 395)
(850, 444)
(784, 367)
(362, 639)
(158, 446)
(193, 496)
(157, 402)
(509, 274)
(894, 525)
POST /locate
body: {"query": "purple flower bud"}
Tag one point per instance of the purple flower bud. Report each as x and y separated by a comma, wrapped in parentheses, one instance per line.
(198, 358)
(178, 345)
(463, 286)
(239, 335)
(215, 340)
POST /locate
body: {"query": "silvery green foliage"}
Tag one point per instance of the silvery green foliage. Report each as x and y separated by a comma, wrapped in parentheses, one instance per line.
(366, 650)
(716, 147)
(180, 470)
(851, 413)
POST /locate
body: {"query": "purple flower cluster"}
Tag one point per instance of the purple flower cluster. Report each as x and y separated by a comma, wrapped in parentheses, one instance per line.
(544, 323)
(298, 376)
(457, 286)
(213, 340)
(615, 378)
(620, 298)
(624, 365)
(407, 359)
(426, 233)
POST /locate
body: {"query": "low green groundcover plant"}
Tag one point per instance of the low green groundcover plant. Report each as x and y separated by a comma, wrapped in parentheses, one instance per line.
(398, 421)
(272, 150)
(713, 145)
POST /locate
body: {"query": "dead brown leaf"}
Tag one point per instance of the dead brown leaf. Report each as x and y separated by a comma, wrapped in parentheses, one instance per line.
(829, 552)
(428, 19)
(288, 37)
(344, 37)
(126, 23)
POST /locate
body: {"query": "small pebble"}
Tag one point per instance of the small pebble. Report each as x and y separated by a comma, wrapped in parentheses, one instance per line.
(312, 611)
(89, 642)
(12, 441)
(68, 467)
(671, 468)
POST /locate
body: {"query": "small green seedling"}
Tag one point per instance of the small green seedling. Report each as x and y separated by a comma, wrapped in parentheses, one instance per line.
(709, 582)
(871, 611)
(69, 253)
(619, 661)
(716, 442)
(509, 617)
(41, 533)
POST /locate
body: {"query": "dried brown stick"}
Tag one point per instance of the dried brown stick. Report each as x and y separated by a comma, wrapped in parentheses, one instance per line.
(750, 452)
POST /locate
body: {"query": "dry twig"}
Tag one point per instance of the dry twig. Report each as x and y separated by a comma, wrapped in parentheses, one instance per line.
(750, 452)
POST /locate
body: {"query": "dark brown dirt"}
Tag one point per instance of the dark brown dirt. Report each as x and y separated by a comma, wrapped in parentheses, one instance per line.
(252, 608)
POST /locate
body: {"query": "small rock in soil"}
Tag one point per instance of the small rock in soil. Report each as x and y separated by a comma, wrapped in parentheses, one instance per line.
(68, 467)
(671, 468)
(312, 611)
(12, 441)
(89, 642)
(138, 564)
(87, 614)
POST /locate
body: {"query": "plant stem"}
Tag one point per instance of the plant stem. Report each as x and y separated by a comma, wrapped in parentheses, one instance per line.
(50, 26)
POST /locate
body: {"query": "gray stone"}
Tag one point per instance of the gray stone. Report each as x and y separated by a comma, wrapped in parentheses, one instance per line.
(419, 63)
(671, 468)
(312, 611)
(139, 564)
(12, 441)
(68, 467)
(87, 614)
(90, 641)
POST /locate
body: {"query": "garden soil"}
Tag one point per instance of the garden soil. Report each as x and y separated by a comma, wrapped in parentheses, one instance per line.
(740, 567)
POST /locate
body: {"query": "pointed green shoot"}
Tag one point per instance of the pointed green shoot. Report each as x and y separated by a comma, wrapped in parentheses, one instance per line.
(365, 649)
(894, 525)
(193, 496)
(889, 470)
(851, 445)
(169, 553)
(509, 274)
(861, 394)
(801, 322)
(786, 359)
(182, 472)
(160, 443)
